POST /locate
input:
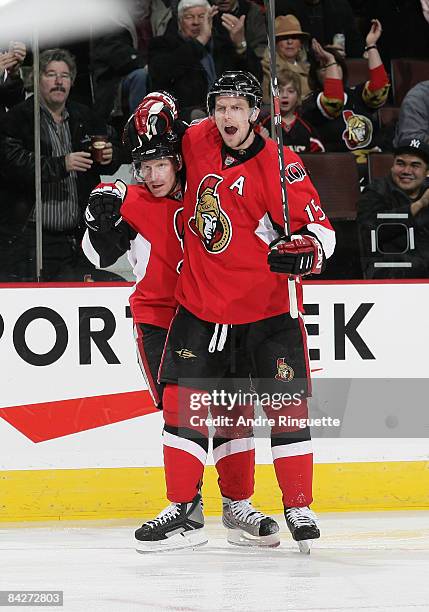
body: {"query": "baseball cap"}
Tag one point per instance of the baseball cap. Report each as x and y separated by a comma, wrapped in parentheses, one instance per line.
(413, 146)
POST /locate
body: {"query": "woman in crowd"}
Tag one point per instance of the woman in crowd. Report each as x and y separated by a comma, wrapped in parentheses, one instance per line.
(290, 54)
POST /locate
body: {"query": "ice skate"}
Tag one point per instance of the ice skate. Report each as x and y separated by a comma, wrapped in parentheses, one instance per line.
(247, 526)
(302, 523)
(180, 525)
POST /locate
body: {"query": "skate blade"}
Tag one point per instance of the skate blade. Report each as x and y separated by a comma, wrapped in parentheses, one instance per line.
(305, 546)
(238, 537)
(189, 539)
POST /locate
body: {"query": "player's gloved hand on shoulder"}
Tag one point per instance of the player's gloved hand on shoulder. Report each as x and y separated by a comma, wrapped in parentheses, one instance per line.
(298, 256)
(103, 211)
(155, 115)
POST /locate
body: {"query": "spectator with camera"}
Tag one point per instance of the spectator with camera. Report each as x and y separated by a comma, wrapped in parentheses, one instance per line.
(11, 84)
(69, 173)
(397, 246)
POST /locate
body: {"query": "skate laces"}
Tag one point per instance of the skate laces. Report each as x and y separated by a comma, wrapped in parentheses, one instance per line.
(244, 511)
(170, 512)
(301, 516)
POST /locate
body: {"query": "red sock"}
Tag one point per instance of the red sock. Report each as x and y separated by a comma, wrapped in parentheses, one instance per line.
(235, 464)
(295, 478)
(185, 448)
(293, 455)
(183, 474)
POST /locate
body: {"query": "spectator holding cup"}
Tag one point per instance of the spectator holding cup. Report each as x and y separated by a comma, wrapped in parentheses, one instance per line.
(69, 173)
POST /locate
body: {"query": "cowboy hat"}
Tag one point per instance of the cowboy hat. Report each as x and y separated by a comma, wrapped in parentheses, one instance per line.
(288, 25)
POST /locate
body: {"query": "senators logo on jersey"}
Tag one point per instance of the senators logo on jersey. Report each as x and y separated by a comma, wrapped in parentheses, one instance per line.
(210, 222)
(285, 372)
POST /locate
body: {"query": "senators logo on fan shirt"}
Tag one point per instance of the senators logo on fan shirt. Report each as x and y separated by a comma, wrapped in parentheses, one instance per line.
(210, 222)
(358, 132)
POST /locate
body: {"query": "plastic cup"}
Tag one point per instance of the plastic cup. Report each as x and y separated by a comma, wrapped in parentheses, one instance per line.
(98, 144)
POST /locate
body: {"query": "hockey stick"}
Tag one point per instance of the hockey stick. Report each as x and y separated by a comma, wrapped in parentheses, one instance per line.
(269, 7)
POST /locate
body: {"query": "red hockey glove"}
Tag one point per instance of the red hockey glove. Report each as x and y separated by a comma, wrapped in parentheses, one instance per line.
(103, 211)
(155, 115)
(301, 255)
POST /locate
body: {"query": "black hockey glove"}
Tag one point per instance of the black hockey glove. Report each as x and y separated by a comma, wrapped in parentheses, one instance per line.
(298, 256)
(103, 211)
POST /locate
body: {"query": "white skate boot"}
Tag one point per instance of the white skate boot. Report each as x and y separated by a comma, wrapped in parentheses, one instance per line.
(180, 525)
(302, 523)
(247, 526)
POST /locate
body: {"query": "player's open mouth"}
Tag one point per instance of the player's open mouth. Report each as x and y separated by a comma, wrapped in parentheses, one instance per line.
(230, 130)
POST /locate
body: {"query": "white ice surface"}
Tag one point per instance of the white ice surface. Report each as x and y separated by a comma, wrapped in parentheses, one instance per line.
(369, 562)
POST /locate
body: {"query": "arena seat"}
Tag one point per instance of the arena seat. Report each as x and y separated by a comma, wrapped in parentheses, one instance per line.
(335, 176)
(387, 114)
(358, 71)
(379, 165)
(406, 73)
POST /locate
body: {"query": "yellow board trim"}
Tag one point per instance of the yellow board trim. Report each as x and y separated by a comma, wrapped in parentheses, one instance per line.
(140, 492)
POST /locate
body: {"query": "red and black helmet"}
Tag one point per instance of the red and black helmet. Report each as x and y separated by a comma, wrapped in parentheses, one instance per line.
(142, 148)
(158, 147)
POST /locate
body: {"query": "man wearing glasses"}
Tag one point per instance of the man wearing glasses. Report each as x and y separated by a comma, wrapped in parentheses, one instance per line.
(69, 173)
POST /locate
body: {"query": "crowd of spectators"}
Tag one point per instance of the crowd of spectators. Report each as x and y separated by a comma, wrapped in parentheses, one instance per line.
(181, 47)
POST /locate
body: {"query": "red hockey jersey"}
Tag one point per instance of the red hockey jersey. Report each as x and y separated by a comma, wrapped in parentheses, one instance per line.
(228, 214)
(155, 254)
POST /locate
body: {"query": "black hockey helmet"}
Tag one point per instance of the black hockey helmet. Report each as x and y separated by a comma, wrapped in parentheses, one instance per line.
(235, 83)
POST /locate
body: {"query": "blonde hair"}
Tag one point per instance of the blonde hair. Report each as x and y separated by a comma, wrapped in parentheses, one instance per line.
(286, 76)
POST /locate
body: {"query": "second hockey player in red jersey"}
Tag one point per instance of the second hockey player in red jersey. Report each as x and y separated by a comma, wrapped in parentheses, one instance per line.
(233, 318)
(144, 221)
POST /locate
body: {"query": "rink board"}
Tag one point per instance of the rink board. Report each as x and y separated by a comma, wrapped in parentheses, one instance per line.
(140, 492)
(80, 438)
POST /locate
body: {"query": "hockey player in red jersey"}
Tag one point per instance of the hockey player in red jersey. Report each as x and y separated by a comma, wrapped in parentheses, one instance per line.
(145, 220)
(233, 318)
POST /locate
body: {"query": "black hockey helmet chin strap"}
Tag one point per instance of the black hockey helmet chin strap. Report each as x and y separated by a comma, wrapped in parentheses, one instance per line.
(251, 124)
(249, 131)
